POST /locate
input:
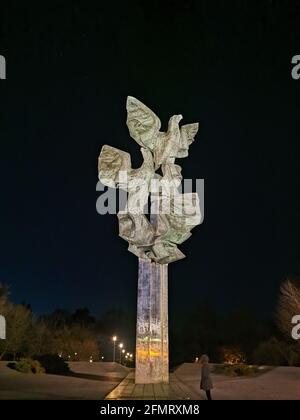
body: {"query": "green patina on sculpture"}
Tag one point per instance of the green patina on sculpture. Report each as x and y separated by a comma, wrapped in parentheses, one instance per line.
(155, 241)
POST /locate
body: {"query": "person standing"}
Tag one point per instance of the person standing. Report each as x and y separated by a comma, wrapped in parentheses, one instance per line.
(206, 381)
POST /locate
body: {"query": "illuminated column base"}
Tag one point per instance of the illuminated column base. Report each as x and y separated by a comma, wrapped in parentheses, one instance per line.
(152, 342)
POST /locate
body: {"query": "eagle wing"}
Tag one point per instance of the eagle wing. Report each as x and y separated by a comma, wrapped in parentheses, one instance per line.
(142, 123)
(112, 164)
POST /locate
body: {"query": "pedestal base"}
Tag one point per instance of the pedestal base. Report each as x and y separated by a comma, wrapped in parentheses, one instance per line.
(152, 342)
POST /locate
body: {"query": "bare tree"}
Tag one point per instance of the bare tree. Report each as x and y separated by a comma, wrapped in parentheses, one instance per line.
(4, 292)
(289, 304)
(18, 319)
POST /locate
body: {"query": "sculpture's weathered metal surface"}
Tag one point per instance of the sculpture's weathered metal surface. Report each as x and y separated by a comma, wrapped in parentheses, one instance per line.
(154, 240)
(179, 213)
(152, 344)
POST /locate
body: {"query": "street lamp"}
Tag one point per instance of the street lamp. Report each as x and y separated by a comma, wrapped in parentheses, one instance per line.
(120, 346)
(123, 352)
(114, 353)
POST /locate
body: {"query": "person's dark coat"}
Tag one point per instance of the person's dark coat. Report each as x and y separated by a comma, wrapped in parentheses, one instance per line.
(206, 382)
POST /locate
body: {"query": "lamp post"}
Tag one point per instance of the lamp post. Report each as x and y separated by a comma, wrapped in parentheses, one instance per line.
(114, 353)
(120, 346)
(123, 352)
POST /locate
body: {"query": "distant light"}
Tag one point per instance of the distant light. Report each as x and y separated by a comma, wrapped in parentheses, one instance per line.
(102, 357)
(123, 351)
(121, 345)
(114, 338)
(126, 357)
(131, 355)
(127, 354)
(75, 354)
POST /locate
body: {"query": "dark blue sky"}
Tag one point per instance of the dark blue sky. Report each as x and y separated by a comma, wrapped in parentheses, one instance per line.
(69, 70)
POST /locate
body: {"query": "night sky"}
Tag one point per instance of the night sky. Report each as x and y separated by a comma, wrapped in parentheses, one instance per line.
(226, 64)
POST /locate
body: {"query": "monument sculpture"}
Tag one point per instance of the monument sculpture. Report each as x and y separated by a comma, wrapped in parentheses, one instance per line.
(153, 239)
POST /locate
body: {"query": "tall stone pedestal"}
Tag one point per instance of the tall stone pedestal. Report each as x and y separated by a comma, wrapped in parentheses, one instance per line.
(152, 341)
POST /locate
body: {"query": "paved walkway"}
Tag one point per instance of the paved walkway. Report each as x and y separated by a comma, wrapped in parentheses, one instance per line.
(175, 390)
(281, 383)
(87, 381)
(94, 381)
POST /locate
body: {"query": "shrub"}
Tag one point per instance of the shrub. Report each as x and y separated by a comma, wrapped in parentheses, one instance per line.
(293, 354)
(53, 364)
(277, 353)
(269, 353)
(233, 356)
(236, 370)
(27, 365)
